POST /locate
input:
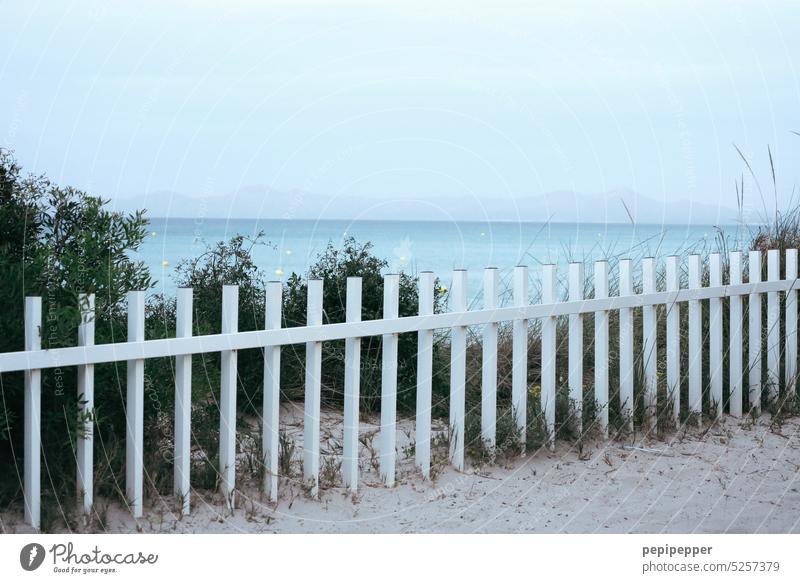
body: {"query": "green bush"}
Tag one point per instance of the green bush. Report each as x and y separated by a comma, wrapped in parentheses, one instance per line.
(334, 266)
(57, 243)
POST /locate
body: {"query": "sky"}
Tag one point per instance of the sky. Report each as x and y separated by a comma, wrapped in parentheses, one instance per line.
(426, 99)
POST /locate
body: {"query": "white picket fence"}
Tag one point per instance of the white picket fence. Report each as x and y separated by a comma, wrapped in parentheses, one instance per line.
(84, 356)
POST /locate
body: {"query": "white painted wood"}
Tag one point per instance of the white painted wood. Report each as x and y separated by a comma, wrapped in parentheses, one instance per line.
(650, 342)
(601, 347)
(674, 338)
(519, 347)
(575, 380)
(489, 362)
(626, 363)
(85, 440)
(773, 328)
(388, 434)
(791, 323)
(422, 453)
(352, 387)
(313, 391)
(183, 403)
(227, 401)
(715, 335)
(117, 352)
(134, 409)
(458, 375)
(695, 339)
(755, 345)
(270, 444)
(32, 487)
(736, 381)
(548, 392)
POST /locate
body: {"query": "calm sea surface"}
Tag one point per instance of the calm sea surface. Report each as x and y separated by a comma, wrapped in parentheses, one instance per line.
(413, 246)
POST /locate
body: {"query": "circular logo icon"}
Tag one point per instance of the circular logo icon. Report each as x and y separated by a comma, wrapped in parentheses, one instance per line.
(31, 556)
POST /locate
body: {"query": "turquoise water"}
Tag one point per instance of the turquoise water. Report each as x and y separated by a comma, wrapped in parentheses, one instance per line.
(413, 246)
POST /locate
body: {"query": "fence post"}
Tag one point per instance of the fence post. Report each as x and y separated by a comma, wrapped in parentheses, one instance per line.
(227, 407)
(791, 322)
(388, 435)
(519, 365)
(601, 346)
(458, 360)
(695, 339)
(33, 415)
(736, 378)
(183, 402)
(773, 328)
(313, 395)
(272, 392)
(85, 440)
(754, 333)
(134, 409)
(650, 342)
(489, 362)
(422, 453)
(548, 392)
(715, 323)
(576, 290)
(674, 339)
(626, 372)
(352, 386)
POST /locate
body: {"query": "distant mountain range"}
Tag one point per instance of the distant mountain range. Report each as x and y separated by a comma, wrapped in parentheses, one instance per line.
(619, 206)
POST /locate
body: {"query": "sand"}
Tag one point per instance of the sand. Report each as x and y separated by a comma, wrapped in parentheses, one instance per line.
(733, 477)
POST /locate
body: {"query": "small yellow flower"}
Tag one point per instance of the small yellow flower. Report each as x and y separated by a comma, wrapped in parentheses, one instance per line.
(443, 289)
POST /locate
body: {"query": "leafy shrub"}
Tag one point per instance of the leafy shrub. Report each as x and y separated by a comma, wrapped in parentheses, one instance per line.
(57, 242)
(334, 266)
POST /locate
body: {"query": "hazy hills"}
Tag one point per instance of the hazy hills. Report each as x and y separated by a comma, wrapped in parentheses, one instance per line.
(620, 206)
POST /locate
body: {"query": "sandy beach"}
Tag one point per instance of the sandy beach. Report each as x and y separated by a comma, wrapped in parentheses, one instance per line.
(731, 477)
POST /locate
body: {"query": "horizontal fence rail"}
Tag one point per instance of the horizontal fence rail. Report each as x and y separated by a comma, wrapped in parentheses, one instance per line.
(744, 371)
(121, 351)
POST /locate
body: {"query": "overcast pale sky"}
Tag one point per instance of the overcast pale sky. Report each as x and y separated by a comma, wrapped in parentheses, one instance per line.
(491, 99)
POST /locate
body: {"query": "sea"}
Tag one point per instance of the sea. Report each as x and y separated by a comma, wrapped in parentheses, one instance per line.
(291, 246)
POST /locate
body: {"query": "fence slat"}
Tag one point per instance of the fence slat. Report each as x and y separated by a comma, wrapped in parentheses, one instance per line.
(458, 363)
(422, 453)
(313, 394)
(489, 362)
(736, 381)
(695, 339)
(519, 346)
(715, 323)
(388, 435)
(650, 342)
(791, 323)
(85, 440)
(134, 409)
(755, 353)
(183, 403)
(626, 363)
(352, 387)
(272, 392)
(601, 347)
(773, 328)
(227, 405)
(575, 380)
(548, 394)
(33, 416)
(674, 338)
